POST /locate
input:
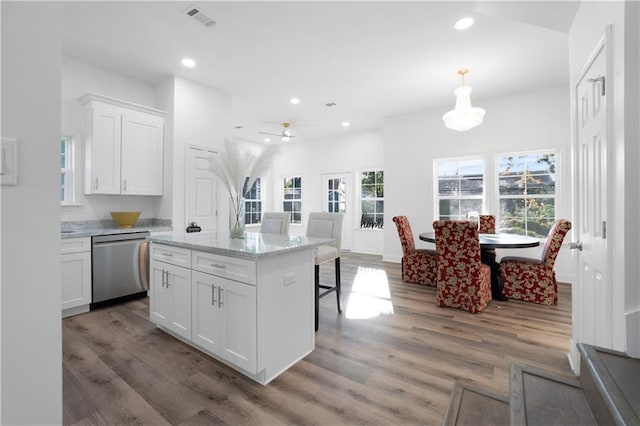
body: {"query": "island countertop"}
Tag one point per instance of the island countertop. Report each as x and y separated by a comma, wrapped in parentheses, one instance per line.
(254, 244)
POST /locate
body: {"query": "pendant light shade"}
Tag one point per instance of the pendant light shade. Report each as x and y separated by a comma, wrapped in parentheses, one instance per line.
(463, 117)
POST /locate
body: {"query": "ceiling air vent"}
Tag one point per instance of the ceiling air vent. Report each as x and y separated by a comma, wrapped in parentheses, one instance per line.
(197, 14)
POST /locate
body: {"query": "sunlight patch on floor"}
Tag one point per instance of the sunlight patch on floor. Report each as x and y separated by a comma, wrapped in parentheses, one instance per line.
(370, 295)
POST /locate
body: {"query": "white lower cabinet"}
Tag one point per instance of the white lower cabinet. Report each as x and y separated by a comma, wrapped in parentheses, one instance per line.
(170, 304)
(236, 309)
(224, 319)
(75, 267)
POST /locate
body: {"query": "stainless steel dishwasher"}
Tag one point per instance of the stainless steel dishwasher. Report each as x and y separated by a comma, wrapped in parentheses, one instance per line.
(120, 267)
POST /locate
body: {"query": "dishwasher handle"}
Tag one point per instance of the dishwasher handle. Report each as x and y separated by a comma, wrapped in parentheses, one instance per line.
(143, 264)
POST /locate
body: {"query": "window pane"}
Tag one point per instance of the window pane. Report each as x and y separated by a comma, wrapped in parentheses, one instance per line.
(467, 206)
(472, 186)
(368, 191)
(448, 187)
(449, 208)
(511, 185)
(379, 206)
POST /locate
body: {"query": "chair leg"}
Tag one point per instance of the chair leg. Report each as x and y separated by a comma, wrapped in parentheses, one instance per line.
(317, 286)
(337, 263)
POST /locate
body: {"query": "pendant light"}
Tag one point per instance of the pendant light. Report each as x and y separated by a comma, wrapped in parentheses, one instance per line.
(463, 117)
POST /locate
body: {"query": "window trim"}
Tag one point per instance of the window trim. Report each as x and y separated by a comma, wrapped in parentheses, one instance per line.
(360, 199)
(282, 199)
(485, 181)
(558, 178)
(72, 186)
(261, 200)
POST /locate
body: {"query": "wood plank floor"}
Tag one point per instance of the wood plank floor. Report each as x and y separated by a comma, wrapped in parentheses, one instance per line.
(392, 357)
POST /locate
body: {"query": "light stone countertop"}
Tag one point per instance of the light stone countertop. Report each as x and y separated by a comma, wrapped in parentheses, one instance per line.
(90, 228)
(252, 246)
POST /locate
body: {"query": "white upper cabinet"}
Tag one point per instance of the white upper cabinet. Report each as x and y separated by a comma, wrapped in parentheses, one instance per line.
(124, 147)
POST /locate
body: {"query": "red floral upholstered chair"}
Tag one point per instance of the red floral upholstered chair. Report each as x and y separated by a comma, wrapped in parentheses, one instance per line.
(487, 224)
(463, 281)
(534, 280)
(418, 265)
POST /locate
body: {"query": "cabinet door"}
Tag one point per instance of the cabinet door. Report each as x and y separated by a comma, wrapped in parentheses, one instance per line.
(238, 328)
(160, 305)
(170, 304)
(179, 283)
(142, 148)
(205, 311)
(103, 150)
(76, 279)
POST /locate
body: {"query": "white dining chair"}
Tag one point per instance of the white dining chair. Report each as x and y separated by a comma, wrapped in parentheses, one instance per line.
(326, 225)
(275, 223)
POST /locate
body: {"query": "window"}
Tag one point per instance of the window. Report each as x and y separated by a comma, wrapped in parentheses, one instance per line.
(527, 193)
(460, 188)
(253, 202)
(372, 199)
(67, 180)
(292, 201)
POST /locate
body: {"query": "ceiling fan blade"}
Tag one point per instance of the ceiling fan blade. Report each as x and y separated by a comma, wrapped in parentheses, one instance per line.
(267, 133)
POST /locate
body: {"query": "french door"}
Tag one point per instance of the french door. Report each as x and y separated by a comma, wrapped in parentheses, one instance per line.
(337, 196)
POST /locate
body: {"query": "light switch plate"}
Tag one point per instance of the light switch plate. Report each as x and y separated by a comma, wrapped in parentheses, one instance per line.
(289, 279)
(9, 161)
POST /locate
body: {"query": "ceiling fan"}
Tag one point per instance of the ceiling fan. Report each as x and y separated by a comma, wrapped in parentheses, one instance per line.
(285, 135)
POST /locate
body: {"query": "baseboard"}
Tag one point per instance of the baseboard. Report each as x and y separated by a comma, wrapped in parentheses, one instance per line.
(392, 259)
(574, 357)
(632, 320)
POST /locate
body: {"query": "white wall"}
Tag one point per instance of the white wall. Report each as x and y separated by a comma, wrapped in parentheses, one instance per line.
(198, 116)
(31, 339)
(79, 78)
(530, 121)
(310, 159)
(624, 175)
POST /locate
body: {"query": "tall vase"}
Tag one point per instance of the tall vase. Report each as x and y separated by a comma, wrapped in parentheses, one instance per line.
(236, 217)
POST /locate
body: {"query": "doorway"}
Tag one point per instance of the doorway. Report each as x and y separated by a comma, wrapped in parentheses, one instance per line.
(337, 196)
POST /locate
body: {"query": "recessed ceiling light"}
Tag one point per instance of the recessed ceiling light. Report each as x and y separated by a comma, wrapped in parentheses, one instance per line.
(294, 101)
(188, 62)
(346, 124)
(463, 24)
(267, 139)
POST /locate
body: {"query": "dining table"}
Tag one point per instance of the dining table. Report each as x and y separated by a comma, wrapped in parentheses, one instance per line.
(494, 241)
(488, 243)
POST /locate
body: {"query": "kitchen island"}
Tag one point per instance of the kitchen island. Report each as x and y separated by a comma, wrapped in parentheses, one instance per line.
(248, 303)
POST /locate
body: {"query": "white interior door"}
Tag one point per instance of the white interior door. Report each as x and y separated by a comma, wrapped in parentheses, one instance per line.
(201, 194)
(337, 196)
(593, 301)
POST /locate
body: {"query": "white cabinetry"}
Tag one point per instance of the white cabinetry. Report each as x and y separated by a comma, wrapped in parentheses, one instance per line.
(255, 315)
(224, 311)
(170, 304)
(124, 147)
(75, 255)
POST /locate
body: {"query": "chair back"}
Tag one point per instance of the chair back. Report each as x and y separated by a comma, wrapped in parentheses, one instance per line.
(275, 223)
(487, 224)
(405, 234)
(326, 225)
(554, 241)
(458, 251)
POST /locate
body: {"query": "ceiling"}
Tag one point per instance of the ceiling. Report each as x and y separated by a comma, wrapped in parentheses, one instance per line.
(372, 59)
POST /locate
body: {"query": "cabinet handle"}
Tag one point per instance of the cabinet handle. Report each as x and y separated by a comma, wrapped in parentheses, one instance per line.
(168, 254)
(163, 282)
(219, 296)
(215, 265)
(124, 184)
(168, 285)
(213, 295)
(96, 183)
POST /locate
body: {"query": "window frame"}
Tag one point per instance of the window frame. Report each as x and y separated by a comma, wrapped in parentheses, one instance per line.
(284, 200)
(436, 187)
(375, 200)
(70, 187)
(248, 201)
(557, 187)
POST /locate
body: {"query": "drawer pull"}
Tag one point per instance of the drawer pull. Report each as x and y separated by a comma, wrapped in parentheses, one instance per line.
(168, 254)
(215, 265)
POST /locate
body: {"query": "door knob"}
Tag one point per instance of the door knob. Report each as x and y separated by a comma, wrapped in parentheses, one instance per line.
(574, 246)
